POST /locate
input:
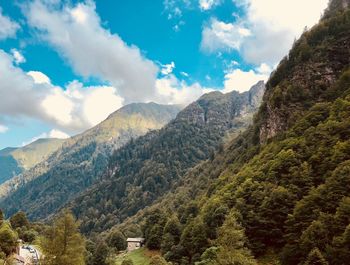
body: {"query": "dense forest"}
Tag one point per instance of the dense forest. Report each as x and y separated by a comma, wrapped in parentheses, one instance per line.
(280, 189)
(147, 167)
(46, 187)
(229, 181)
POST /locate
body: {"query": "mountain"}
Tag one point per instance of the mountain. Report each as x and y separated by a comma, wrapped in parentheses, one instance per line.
(14, 161)
(149, 166)
(282, 187)
(79, 162)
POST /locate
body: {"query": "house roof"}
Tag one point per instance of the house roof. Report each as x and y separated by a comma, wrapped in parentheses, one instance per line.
(136, 239)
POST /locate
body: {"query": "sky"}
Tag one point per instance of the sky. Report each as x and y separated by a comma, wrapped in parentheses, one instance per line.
(66, 65)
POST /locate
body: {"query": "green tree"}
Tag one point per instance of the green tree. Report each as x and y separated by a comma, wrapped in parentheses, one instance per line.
(2, 217)
(171, 234)
(231, 241)
(8, 239)
(127, 262)
(117, 240)
(209, 257)
(63, 244)
(315, 258)
(194, 239)
(19, 220)
(154, 239)
(158, 260)
(100, 254)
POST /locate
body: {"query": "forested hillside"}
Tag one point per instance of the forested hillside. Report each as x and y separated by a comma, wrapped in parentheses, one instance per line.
(147, 167)
(14, 161)
(279, 192)
(43, 189)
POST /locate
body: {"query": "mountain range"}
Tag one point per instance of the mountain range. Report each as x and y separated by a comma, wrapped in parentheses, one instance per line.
(281, 188)
(260, 177)
(13, 161)
(82, 158)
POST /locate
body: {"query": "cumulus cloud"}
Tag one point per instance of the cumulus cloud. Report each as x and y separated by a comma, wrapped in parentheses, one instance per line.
(39, 77)
(3, 128)
(54, 133)
(93, 51)
(242, 81)
(175, 91)
(17, 56)
(208, 4)
(268, 21)
(73, 109)
(219, 35)
(58, 134)
(8, 27)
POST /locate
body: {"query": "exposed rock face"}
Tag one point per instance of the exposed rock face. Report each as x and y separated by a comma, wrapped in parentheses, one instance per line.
(336, 5)
(151, 165)
(220, 110)
(301, 77)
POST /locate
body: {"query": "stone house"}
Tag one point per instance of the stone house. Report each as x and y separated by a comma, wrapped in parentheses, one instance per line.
(135, 243)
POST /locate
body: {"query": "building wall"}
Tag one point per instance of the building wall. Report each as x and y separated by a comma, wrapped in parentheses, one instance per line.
(133, 245)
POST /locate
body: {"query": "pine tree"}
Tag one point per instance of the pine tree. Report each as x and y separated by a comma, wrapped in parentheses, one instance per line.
(315, 258)
(63, 244)
(231, 242)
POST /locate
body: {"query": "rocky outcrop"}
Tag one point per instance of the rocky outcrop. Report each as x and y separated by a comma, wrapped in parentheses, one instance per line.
(219, 110)
(301, 79)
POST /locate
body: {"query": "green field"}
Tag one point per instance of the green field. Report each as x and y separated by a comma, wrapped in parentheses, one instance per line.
(139, 257)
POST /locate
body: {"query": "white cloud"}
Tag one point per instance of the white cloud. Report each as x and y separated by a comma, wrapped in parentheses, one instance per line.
(39, 77)
(31, 94)
(59, 107)
(242, 81)
(175, 91)
(208, 4)
(54, 133)
(3, 128)
(223, 36)
(167, 68)
(93, 51)
(58, 134)
(17, 56)
(264, 69)
(8, 27)
(267, 21)
(107, 101)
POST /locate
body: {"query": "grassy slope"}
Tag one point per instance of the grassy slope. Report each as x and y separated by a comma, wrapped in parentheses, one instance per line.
(140, 256)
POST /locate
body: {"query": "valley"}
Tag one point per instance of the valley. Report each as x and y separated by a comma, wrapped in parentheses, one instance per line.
(241, 176)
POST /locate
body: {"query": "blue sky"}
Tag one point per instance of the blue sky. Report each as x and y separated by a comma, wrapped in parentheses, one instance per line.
(66, 65)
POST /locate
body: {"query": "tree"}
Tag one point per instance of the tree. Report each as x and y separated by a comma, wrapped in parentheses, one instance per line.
(127, 262)
(209, 257)
(158, 260)
(194, 239)
(231, 241)
(19, 220)
(171, 234)
(315, 258)
(8, 239)
(117, 240)
(100, 254)
(63, 244)
(2, 217)
(154, 239)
